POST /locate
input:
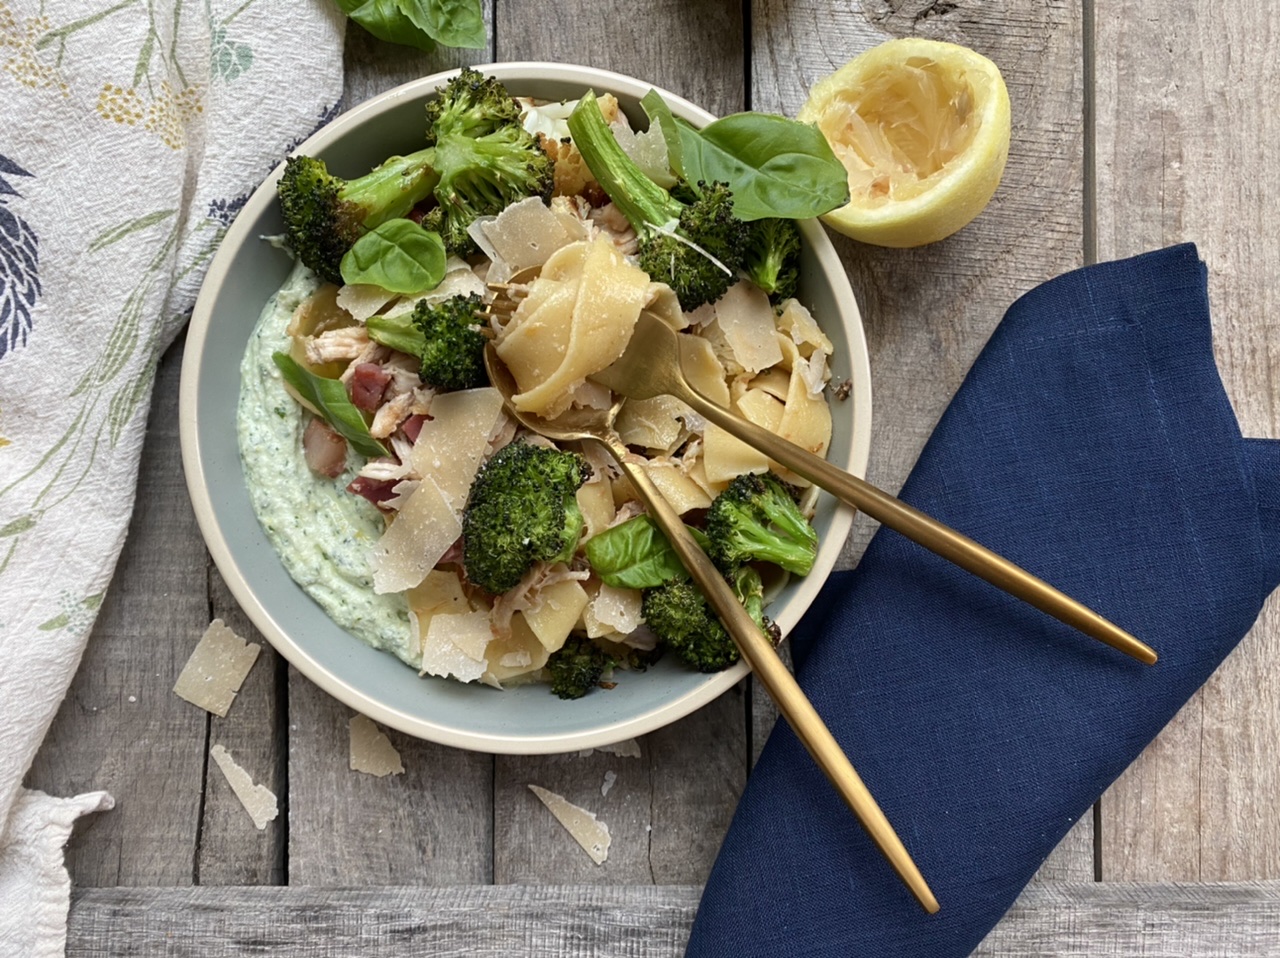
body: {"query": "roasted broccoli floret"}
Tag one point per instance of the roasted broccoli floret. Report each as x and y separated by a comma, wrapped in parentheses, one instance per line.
(521, 511)
(679, 615)
(772, 257)
(324, 214)
(453, 350)
(757, 519)
(482, 176)
(695, 246)
(471, 104)
(575, 668)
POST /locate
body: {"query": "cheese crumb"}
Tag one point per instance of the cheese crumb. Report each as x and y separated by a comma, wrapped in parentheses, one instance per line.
(216, 670)
(258, 800)
(609, 778)
(371, 751)
(587, 831)
(627, 748)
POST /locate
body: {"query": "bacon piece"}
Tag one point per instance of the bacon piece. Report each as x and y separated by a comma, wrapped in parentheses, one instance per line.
(412, 426)
(367, 384)
(324, 450)
(376, 491)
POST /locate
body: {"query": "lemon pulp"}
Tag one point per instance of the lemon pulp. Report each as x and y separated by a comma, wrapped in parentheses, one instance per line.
(922, 128)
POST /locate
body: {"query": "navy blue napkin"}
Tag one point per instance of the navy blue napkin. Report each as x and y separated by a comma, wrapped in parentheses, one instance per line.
(1091, 443)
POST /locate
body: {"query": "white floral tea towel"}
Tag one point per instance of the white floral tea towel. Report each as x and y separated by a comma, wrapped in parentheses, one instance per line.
(131, 132)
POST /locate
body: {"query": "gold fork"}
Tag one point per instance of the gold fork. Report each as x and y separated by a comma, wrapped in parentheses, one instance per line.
(651, 366)
(756, 648)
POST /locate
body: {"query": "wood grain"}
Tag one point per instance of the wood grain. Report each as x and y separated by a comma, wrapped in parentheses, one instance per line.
(121, 728)
(1059, 921)
(928, 312)
(1181, 146)
(232, 851)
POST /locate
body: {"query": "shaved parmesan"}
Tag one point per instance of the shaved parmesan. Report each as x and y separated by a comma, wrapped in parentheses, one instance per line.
(678, 489)
(611, 611)
(258, 800)
(451, 446)
(557, 612)
(423, 530)
(609, 778)
(588, 831)
(803, 328)
(216, 669)
(370, 751)
(515, 656)
(525, 234)
(455, 645)
(746, 319)
(362, 300)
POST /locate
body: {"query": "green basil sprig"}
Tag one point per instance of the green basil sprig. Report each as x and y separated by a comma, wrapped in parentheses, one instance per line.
(421, 23)
(330, 397)
(399, 255)
(774, 166)
(636, 555)
(400, 333)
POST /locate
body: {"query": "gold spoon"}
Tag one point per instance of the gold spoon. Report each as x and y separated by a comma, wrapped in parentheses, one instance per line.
(651, 366)
(756, 648)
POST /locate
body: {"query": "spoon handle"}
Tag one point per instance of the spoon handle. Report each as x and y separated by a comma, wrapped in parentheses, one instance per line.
(922, 529)
(762, 657)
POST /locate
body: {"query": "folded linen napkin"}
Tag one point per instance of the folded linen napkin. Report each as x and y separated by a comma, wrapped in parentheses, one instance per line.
(130, 135)
(1091, 443)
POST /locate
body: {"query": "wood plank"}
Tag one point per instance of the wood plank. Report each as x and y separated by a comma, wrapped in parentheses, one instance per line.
(928, 312)
(121, 728)
(667, 811)
(232, 851)
(1178, 158)
(434, 823)
(1058, 921)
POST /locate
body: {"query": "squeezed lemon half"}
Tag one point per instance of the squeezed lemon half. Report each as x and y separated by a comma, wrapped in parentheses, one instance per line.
(923, 129)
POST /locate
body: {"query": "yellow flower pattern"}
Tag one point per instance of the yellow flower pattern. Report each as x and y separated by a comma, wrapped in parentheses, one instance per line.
(23, 62)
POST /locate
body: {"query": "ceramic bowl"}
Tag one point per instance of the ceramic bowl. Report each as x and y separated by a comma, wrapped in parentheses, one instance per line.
(524, 720)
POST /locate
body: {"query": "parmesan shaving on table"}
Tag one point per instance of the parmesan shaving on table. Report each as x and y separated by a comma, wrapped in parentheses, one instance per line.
(370, 750)
(587, 831)
(216, 669)
(258, 800)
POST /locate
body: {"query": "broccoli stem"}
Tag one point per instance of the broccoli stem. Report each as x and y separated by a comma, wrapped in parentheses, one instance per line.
(645, 204)
(393, 188)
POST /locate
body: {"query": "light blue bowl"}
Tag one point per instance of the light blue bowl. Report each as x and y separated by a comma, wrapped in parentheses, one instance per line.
(527, 720)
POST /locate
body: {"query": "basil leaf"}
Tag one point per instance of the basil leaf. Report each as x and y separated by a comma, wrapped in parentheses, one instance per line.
(385, 20)
(655, 107)
(398, 332)
(636, 555)
(774, 166)
(400, 256)
(453, 23)
(330, 397)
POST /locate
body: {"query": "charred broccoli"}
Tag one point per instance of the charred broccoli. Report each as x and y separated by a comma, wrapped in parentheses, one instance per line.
(757, 519)
(695, 247)
(453, 347)
(575, 668)
(679, 615)
(772, 259)
(325, 214)
(521, 511)
(471, 104)
(749, 588)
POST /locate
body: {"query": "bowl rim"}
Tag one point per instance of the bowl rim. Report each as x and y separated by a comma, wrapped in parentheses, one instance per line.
(216, 541)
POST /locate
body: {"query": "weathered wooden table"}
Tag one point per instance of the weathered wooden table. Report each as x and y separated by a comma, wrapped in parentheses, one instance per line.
(1137, 123)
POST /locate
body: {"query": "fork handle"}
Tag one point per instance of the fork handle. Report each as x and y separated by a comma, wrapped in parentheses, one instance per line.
(758, 651)
(922, 529)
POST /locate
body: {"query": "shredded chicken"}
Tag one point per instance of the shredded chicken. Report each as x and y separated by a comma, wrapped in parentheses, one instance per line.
(610, 221)
(390, 415)
(332, 345)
